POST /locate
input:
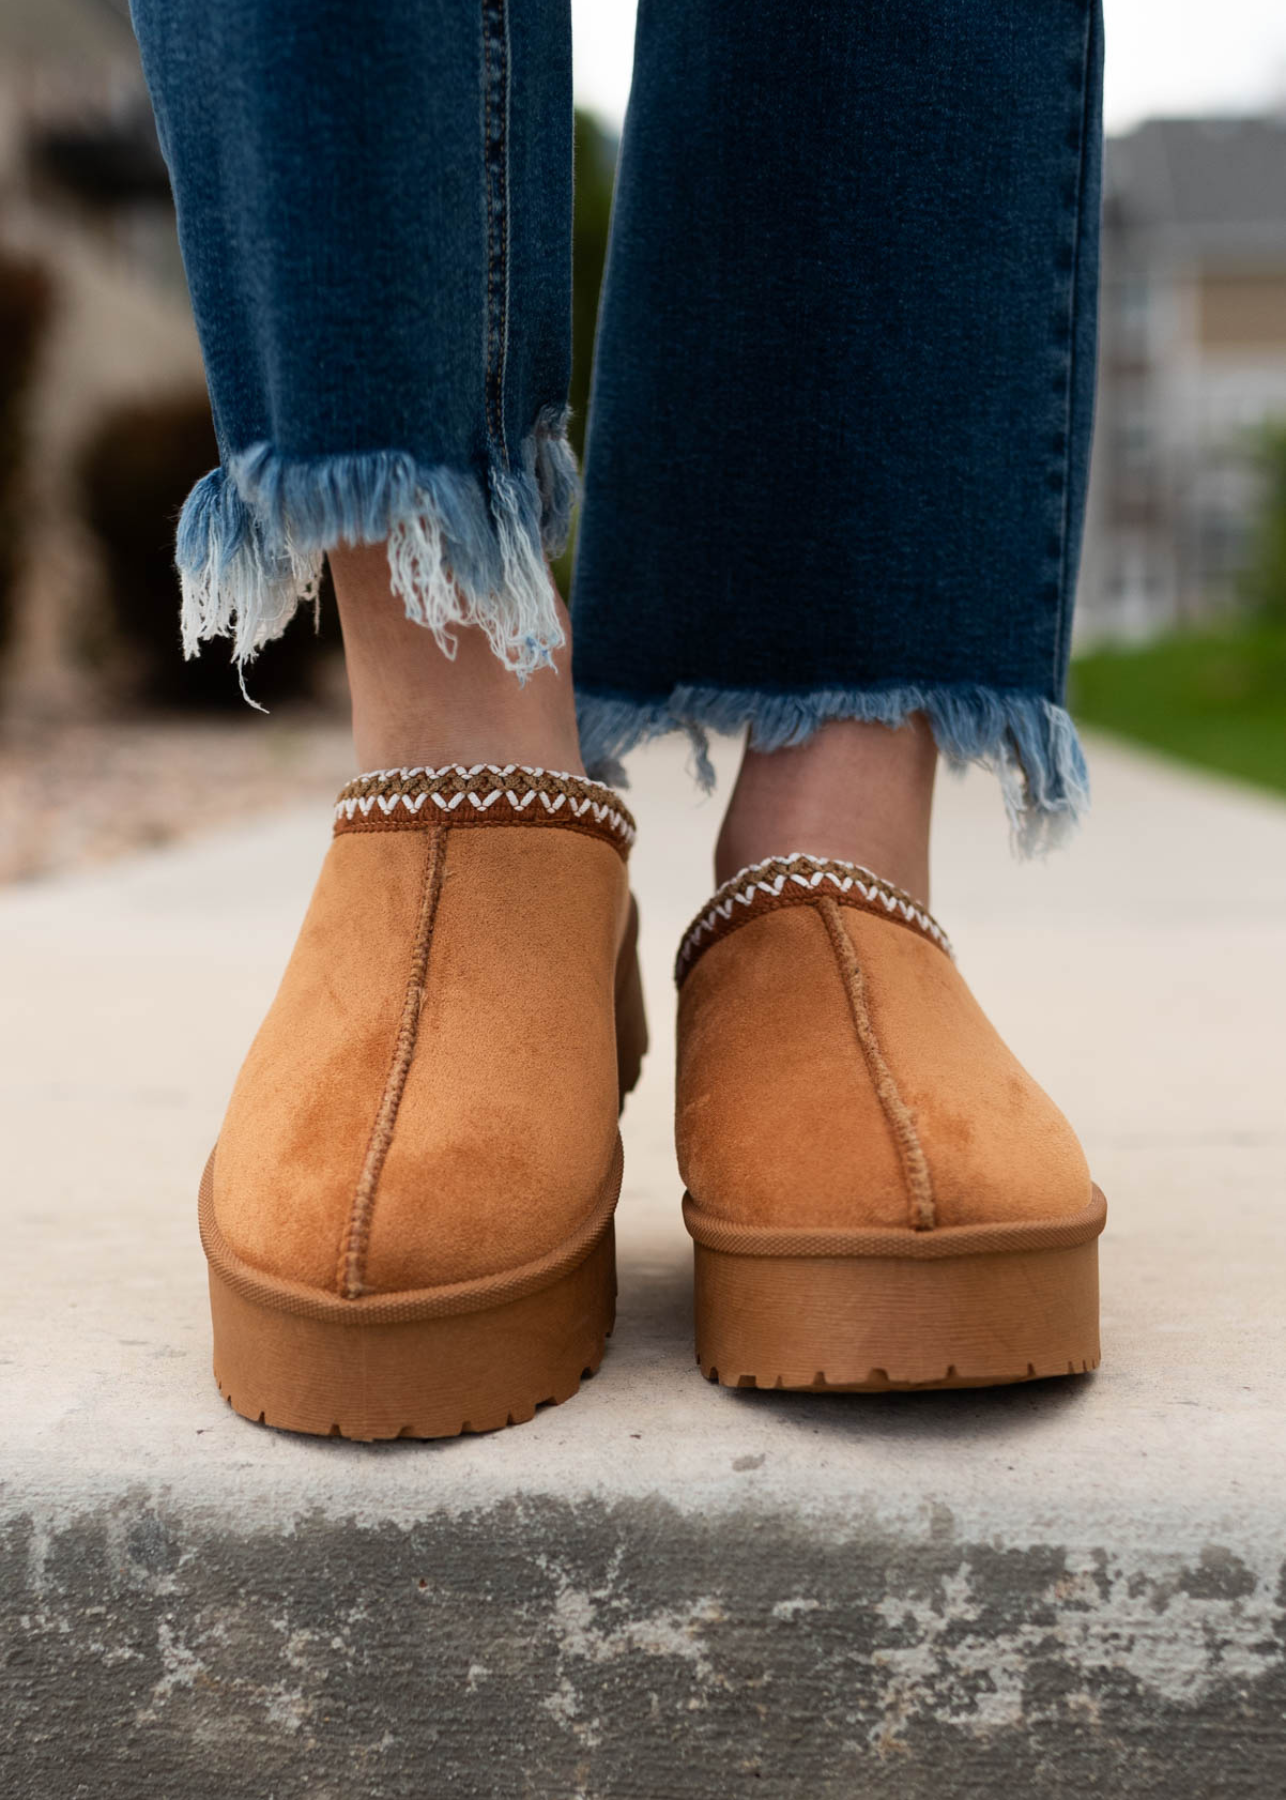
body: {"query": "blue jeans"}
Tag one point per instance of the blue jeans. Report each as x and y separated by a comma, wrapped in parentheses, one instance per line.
(841, 419)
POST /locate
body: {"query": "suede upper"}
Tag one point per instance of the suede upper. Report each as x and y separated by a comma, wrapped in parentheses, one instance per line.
(433, 1094)
(835, 1071)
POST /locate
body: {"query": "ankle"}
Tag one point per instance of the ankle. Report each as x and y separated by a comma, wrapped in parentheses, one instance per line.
(856, 792)
(415, 706)
(436, 733)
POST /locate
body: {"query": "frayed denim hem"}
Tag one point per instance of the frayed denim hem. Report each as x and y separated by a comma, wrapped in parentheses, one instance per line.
(1026, 740)
(461, 552)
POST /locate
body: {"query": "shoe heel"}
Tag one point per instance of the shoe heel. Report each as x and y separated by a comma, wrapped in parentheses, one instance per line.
(870, 1323)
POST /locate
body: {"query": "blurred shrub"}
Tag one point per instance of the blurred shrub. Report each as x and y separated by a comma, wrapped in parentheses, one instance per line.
(103, 161)
(1214, 697)
(26, 302)
(1265, 578)
(591, 220)
(134, 474)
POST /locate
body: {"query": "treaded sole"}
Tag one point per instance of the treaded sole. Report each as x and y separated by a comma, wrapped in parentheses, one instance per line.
(415, 1378)
(874, 1324)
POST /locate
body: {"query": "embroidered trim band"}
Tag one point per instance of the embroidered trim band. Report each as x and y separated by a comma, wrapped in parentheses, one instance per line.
(401, 799)
(797, 880)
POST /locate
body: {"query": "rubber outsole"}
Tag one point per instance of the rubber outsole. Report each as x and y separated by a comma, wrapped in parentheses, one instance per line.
(426, 1377)
(887, 1310)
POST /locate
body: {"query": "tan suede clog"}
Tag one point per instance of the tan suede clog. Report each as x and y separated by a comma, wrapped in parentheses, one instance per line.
(408, 1214)
(878, 1194)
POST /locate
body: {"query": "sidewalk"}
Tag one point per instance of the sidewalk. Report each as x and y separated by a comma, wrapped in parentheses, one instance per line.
(662, 1588)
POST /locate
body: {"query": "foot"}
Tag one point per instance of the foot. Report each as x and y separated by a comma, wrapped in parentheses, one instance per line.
(408, 1214)
(879, 1195)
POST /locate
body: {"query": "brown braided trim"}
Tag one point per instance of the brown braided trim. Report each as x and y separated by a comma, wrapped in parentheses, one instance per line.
(999, 1239)
(296, 1298)
(407, 799)
(800, 880)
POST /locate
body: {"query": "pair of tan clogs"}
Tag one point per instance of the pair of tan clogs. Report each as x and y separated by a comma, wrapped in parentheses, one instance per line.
(408, 1214)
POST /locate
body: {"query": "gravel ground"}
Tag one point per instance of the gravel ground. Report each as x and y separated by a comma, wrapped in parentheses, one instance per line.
(75, 795)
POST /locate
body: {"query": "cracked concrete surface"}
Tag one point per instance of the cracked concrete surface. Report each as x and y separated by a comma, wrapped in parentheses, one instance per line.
(661, 1588)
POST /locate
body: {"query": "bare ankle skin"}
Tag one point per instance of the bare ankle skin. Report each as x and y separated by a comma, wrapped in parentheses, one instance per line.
(859, 793)
(413, 706)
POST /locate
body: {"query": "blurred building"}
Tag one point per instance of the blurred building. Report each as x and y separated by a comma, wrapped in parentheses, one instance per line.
(79, 157)
(83, 195)
(1192, 365)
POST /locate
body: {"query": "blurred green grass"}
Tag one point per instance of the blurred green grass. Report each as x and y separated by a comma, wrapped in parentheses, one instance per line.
(1216, 698)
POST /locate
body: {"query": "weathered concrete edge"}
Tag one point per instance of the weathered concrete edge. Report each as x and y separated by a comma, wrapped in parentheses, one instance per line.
(549, 1647)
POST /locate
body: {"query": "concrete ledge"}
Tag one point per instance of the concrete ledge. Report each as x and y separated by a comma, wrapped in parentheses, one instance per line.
(661, 1589)
(547, 1647)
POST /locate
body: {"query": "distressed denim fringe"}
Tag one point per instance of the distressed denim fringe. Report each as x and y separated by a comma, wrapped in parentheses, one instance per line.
(1027, 741)
(461, 552)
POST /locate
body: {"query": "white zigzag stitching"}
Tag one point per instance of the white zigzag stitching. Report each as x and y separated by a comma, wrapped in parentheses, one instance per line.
(602, 810)
(855, 878)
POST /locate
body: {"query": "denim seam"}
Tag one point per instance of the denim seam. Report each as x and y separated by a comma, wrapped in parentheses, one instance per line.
(495, 42)
(1083, 89)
